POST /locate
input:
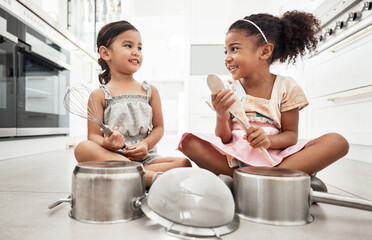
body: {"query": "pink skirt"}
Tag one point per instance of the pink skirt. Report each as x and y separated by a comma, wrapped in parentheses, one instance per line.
(240, 149)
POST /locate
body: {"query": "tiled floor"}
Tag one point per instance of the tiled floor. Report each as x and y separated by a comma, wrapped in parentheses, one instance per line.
(29, 184)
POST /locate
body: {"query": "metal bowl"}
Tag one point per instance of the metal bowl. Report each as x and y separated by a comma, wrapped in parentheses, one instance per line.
(191, 201)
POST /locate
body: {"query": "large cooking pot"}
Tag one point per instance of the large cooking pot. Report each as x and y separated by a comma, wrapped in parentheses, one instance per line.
(106, 191)
(281, 196)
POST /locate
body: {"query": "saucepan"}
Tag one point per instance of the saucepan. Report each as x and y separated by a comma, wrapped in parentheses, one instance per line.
(106, 191)
(281, 196)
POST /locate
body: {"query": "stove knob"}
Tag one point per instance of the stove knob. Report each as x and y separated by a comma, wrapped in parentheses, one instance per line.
(352, 16)
(367, 5)
(340, 24)
(329, 31)
(320, 38)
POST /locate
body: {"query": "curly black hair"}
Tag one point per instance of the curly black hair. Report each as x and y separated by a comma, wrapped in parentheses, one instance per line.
(105, 37)
(292, 34)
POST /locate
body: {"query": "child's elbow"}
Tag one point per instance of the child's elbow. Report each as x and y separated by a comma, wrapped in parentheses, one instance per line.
(159, 130)
(294, 139)
(226, 140)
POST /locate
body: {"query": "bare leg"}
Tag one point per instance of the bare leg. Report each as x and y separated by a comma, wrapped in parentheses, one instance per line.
(164, 164)
(205, 155)
(91, 151)
(318, 154)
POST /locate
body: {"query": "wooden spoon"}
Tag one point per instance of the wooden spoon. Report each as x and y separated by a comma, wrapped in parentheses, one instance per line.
(215, 84)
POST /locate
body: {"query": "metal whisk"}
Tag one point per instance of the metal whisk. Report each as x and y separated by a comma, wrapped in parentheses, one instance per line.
(80, 101)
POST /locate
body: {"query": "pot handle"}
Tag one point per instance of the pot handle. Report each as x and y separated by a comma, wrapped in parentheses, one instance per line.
(68, 199)
(136, 202)
(343, 201)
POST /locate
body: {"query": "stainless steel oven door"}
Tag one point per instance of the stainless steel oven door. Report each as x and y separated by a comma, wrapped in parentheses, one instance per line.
(7, 86)
(41, 85)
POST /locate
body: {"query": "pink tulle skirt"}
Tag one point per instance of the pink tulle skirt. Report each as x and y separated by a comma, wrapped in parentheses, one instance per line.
(240, 149)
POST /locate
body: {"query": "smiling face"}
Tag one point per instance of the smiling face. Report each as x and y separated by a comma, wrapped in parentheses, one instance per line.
(242, 54)
(125, 53)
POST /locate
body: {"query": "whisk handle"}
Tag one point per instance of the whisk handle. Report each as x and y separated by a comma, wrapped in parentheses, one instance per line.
(106, 130)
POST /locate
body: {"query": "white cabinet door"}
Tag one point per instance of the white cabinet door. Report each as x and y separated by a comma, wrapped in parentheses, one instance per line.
(201, 117)
(202, 124)
(345, 66)
(348, 113)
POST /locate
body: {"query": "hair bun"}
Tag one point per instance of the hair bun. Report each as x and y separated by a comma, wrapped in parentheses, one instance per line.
(299, 33)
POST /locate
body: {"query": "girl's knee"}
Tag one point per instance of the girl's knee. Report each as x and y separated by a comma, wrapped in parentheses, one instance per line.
(338, 142)
(81, 150)
(189, 142)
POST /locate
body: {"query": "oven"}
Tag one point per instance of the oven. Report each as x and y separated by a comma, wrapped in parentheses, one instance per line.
(41, 82)
(34, 75)
(8, 105)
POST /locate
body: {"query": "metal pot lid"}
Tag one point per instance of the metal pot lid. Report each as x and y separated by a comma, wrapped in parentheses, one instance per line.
(108, 167)
(193, 202)
(271, 171)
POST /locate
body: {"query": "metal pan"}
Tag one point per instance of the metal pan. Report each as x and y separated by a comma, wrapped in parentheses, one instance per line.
(106, 191)
(281, 196)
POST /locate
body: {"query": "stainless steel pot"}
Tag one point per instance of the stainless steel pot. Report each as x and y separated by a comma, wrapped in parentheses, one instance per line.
(281, 196)
(106, 191)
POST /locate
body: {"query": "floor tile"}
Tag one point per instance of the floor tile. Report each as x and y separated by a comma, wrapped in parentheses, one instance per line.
(46, 172)
(351, 176)
(26, 216)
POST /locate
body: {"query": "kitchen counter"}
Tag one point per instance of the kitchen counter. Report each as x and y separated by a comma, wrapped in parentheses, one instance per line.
(29, 184)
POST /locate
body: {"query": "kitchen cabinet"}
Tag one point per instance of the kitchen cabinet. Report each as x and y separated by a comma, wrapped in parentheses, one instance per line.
(340, 90)
(201, 117)
(347, 113)
(343, 67)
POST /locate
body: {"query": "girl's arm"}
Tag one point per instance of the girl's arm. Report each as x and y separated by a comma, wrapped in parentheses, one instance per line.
(116, 140)
(289, 131)
(157, 120)
(223, 128)
(221, 102)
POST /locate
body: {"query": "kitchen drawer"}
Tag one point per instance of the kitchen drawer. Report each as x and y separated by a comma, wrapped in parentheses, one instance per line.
(198, 86)
(342, 67)
(197, 105)
(198, 93)
(202, 123)
(348, 113)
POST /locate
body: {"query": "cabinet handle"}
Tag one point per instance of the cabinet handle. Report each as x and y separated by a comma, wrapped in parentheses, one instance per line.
(351, 40)
(5, 33)
(350, 96)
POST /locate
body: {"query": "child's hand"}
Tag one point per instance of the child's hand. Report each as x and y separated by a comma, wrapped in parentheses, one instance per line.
(137, 151)
(257, 137)
(221, 101)
(115, 141)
